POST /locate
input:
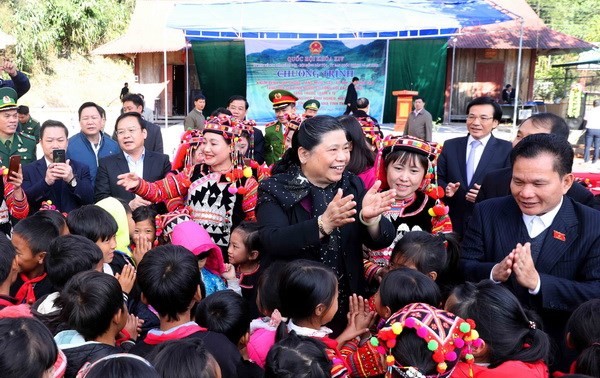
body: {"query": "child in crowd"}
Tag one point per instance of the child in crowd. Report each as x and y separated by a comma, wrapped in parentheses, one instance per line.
(122, 365)
(308, 292)
(169, 279)
(512, 343)
(227, 313)
(298, 357)
(31, 238)
(28, 350)
(403, 286)
(96, 224)
(264, 329)
(185, 358)
(9, 270)
(209, 256)
(121, 212)
(244, 255)
(583, 335)
(144, 232)
(56, 217)
(95, 313)
(423, 341)
(67, 256)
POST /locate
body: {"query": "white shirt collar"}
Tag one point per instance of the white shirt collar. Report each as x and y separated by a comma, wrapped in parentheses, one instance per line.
(305, 331)
(130, 159)
(546, 219)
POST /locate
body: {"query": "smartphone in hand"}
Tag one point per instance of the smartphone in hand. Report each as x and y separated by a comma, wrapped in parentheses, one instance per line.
(13, 166)
(58, 156)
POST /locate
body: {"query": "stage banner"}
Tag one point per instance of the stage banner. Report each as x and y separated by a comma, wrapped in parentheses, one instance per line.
(314, 69)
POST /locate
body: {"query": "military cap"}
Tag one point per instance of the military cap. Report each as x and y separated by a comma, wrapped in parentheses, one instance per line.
(282, 98)
(8, 99)
(312, 104)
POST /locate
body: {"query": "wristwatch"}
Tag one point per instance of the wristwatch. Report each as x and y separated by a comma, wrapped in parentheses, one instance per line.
(73, 182)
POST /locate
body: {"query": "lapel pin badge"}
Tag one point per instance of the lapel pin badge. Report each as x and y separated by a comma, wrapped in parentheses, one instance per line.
(559, 235)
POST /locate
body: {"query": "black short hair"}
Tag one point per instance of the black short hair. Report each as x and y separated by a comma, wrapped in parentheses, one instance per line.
(267, 291)
(583, 328)
(168, 276)
(89, 302)
(362, 103)
(508, 86)
(418, 98)
(493, 308)
(552, 122)
(7, 257)
(177, 358)
(218, 111)
(23, 109)
(485, 100)
(298, 357)
(69, 255)
(238, 98)
(135, 115)
(199, 96)
(37, 231)
(92, 222)
(427, 252)
(536, 144)
(56, 217)
(143, 213)
(225, 312)
(135, 98)
(27, 348)
(416, 288)
(251, 237)
(53, 123)
(122, 365)
(90, 104)
(354, 78)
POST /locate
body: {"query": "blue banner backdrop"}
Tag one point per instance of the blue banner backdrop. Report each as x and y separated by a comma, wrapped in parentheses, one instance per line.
(314, 69)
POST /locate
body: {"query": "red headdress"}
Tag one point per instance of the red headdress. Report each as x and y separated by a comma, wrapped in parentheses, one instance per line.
(446, 335)
(371, 130)
(189, 140)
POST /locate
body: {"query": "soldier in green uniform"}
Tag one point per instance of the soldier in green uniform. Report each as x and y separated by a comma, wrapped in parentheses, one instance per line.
(284, 102)
(11, 141)
(311, 108)
(28, 125)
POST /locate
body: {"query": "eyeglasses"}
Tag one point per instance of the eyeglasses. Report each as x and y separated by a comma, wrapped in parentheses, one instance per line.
(129, 131)
(483, 118)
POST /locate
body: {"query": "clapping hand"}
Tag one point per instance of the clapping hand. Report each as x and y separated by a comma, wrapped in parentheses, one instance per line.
(360, 318)
(376, 203)
(339, 212)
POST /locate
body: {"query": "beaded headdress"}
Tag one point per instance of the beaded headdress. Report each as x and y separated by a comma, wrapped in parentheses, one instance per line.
(183, 156)
(371, 130)
(292, 123)
(446, 335)
(166, 222)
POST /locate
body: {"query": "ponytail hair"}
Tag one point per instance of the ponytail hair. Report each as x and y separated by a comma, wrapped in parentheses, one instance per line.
(583, 328)
(309, 135)
(510, 333)
(428, 253)
(298, 357)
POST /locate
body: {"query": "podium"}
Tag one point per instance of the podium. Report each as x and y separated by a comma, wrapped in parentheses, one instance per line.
(403, 107)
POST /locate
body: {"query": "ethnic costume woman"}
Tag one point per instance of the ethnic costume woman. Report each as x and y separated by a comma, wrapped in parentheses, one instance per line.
(219, 193)
(407, 165)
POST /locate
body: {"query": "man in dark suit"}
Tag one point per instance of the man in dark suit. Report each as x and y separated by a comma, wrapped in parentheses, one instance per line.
(351, 96)
(464, 161)
(238, 106)
(67, 184)
(541, 244)
(154, 141)
(497, 183)
(134, 157)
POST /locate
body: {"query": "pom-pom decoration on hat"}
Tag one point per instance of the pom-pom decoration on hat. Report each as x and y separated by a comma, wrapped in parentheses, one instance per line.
(443, 333)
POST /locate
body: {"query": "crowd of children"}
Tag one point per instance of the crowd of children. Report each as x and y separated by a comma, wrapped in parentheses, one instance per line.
(121, 294)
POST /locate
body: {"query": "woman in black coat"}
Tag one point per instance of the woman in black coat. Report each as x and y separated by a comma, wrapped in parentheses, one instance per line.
(312, 208)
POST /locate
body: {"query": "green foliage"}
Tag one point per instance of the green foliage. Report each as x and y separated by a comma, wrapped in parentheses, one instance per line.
(579, 18)
(63, 27)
